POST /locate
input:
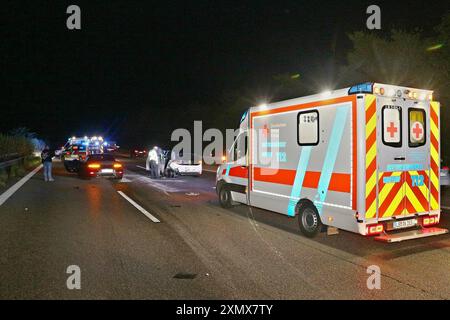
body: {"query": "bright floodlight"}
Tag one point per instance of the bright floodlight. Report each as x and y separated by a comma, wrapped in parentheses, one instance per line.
(325, 93)
(263, 106)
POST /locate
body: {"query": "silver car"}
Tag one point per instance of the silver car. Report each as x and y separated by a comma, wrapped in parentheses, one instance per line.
(445, 177)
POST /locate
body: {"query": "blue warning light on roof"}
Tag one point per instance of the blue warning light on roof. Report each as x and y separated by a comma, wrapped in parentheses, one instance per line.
(366, 87)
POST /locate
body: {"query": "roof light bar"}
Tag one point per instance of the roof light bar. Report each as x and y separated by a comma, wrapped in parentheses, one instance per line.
(366, 87)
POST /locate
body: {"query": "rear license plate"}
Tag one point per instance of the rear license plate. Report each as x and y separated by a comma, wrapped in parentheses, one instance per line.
(404, 224)
(107, 171)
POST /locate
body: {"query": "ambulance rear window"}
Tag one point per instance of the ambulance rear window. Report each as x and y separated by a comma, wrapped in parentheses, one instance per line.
(417, 127)
(392, 126)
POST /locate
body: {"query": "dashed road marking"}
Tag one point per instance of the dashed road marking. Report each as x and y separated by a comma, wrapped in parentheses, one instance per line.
(137, 206)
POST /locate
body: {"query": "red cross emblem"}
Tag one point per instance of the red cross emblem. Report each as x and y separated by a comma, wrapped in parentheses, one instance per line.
(417, 131)
(392, 129)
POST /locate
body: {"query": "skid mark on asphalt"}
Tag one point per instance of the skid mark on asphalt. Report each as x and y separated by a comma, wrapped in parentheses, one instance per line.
(153, 183)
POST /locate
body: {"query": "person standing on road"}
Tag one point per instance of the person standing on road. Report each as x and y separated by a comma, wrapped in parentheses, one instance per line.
(153, 162)
(46, 157)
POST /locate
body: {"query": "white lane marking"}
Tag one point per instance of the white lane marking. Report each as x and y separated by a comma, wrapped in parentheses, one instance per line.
(8, 193)
(145, 212)
(141, 167)
(446, 208)
(125, 180)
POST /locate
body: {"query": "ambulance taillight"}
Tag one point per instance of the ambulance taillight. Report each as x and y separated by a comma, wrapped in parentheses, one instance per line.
(374, 229)
(428, 221)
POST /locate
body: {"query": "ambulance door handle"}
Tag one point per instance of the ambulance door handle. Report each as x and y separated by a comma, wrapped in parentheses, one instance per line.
(400, 158)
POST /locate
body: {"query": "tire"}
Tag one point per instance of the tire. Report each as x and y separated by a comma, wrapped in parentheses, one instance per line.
(68, 167)
(309, 219)
(225, 198)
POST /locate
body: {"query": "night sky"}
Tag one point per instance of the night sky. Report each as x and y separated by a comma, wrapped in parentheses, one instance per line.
(136, 65)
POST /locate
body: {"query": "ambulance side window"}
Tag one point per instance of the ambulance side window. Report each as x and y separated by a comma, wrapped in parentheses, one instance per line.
(392, 126)
(417, 127)
(240, 147)
(308, 128)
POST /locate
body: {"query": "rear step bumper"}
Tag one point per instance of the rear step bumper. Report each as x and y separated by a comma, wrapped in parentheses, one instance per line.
(413, 234)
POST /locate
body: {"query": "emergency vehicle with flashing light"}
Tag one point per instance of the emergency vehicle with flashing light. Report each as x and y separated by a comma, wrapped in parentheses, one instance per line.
(77, 149)
(363, 159)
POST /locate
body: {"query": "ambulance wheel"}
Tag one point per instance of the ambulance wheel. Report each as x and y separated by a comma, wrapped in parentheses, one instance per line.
(309, 219)
(225, 198)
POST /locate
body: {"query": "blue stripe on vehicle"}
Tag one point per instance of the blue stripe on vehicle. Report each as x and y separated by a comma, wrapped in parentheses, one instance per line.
(227, 173)
(404, 167)
(299, 177)
(331, 156)
(279, 144)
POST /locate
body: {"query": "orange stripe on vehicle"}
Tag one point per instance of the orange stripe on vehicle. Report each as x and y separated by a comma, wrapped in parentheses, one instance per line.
(435, 194)
(371, 110)
(371, 168)
(355, 158)
(239, 172)
(372, 196)
(340, 182)
(371, 139)
(278, 176)
(434, 141)
(434, 166)
(382, 207)
(435, 153)
(311, 179)
(371, 157)
(408, 206)
(434, 116)
(416, 191)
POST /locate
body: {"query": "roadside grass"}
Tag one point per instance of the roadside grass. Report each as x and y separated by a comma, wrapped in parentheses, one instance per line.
(3, 178)
(14, 146)
(18, 170)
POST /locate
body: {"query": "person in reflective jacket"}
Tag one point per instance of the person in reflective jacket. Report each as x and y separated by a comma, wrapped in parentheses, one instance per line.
(152, 164)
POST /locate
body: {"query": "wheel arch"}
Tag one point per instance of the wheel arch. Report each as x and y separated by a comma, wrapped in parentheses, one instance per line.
(302, 202)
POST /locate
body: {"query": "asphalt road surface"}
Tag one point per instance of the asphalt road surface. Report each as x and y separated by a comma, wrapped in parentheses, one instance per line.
(197, 251)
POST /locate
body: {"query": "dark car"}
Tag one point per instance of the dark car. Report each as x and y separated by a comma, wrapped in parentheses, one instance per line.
(138, 153)
(101, 165)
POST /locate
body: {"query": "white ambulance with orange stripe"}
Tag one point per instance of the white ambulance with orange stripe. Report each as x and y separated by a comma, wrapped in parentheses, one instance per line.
(363, 159)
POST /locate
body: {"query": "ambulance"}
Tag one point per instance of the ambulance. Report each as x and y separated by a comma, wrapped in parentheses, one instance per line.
(365, 159)
(78, 148)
